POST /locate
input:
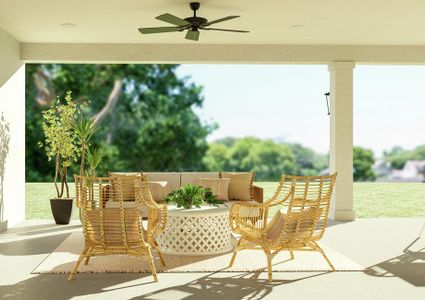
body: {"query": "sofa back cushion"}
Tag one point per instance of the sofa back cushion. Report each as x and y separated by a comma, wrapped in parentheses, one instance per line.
(172, 179)
(240, 185)
(218, 186)
(193, 177)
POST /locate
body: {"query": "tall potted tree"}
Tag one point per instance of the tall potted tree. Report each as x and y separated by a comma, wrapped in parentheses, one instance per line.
(60, 145)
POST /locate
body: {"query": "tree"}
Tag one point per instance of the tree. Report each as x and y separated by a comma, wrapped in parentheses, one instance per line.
(144, 114)
(268, 159)
(217, 157)
(60, 142)
(363, 161)
(308, 162)
(398, 157)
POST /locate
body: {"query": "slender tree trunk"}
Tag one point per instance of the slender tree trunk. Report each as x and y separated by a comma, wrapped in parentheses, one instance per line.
(83, 146)
(110, 104)
(66, 183)
(57, 163)
(62, 181)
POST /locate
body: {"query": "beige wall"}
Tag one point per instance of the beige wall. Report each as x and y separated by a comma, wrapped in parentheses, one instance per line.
(218, 53)
(10, 59)
(12, 132)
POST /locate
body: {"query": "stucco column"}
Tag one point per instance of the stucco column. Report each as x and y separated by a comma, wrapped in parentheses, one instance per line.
(341, 139)
(12, 132)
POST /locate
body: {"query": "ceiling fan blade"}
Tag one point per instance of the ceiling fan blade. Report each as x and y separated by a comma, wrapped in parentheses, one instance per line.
(219, 20)
(230, 30)
(159, 29)
(169, 18)
(192, 35)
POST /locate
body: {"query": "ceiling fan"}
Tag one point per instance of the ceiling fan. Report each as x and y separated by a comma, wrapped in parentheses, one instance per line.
(191, 24)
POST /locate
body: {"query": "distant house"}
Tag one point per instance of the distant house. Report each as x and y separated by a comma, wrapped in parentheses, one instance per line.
(382, 170)
(413, 171)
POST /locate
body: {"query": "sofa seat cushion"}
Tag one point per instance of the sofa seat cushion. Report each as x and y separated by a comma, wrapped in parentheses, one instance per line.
(240, 185)
(218, 186)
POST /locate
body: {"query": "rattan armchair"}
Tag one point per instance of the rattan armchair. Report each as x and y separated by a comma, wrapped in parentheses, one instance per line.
(108, 231)
(157, 213)
(302, 207)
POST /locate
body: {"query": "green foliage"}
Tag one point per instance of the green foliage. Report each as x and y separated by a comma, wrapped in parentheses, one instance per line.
(192, 195)
(267, 158)
(60, 142)
(398, 157)
(152, 127)
(94, 158)
(363, 160)
(84, 129)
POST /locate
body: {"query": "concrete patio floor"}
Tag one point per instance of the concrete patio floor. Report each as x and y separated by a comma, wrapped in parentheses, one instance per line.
(379, 244)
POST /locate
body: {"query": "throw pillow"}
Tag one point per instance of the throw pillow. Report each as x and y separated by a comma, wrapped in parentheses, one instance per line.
(219, 186)
(240, 185)
(158, 190)
(127, 183)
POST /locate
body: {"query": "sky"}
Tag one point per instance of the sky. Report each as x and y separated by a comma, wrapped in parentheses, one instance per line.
(286, 103)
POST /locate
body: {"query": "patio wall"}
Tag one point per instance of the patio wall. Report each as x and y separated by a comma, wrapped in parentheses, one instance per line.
(12, 132)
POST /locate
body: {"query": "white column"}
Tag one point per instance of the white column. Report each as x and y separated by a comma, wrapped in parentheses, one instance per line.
(12, 132)
(341, 139)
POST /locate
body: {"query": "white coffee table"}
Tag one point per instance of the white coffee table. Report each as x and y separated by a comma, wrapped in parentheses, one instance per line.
(196, 231)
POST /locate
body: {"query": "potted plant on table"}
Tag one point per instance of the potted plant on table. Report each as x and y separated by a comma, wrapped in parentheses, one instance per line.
(192, 195)
(61, 146)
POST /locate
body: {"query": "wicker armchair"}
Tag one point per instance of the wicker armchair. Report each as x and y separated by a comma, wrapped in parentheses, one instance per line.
(302, 204)
(108, 231)
(157, 213)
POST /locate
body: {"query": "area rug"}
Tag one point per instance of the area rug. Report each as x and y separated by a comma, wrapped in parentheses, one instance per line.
(62, 259)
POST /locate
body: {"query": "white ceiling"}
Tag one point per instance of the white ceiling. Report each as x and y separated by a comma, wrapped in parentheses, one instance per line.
(336, 22)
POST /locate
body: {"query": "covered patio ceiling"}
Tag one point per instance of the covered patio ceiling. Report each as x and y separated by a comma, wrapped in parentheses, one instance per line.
(288, 22)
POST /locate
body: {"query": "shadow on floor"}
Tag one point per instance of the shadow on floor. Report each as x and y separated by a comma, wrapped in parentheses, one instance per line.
(33, 246)
(409, 266)
(240, 286)
(38, 229)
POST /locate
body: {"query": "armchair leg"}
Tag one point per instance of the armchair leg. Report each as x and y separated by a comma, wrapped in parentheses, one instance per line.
(156, 247)
(152, 265)
(77, 264)
(269, 264)
(292, 254)
(325, 257)
(86, 262)
(235, 252)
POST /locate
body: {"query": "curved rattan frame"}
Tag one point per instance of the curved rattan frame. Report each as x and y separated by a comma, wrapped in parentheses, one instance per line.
(157, 213)
(109, 231)
(306, 203)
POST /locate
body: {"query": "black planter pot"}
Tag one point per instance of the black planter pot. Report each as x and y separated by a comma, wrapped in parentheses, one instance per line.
(61, 210)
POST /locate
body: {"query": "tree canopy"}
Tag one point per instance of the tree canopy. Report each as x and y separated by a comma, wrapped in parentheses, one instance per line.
(144, 114)
(267, 158)
(363, 161)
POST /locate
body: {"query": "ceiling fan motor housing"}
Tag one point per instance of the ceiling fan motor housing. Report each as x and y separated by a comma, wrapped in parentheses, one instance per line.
(196, 22)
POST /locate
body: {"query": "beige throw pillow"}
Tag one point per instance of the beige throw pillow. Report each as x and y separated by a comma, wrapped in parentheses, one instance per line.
(158, 190)
(128, 180)
(218, 186)
(240, 185)
(300, 222)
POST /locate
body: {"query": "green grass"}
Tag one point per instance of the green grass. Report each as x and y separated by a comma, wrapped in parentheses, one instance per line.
(371, 200)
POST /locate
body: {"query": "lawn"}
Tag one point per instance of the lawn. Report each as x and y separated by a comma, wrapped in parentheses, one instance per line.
(371, 200)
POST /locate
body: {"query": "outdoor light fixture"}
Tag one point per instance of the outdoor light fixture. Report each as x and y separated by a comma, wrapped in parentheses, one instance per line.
(327, 102)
